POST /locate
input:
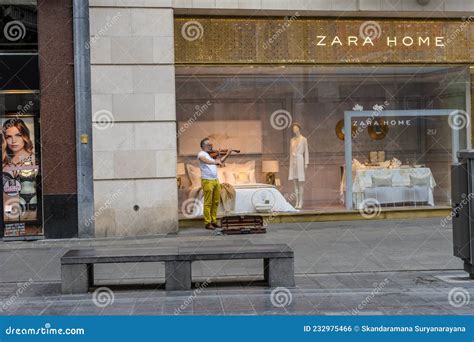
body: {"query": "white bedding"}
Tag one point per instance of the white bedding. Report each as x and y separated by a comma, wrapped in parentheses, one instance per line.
(247, 196)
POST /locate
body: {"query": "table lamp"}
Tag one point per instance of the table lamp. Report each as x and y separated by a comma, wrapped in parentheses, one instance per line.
(270, 167)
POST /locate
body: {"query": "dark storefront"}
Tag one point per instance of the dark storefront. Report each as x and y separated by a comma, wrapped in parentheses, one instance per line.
(37, 118)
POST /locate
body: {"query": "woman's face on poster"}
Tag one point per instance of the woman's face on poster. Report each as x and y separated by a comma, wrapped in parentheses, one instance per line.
(14, 139)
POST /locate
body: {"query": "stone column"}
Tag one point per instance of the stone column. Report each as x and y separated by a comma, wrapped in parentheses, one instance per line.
(134, 118)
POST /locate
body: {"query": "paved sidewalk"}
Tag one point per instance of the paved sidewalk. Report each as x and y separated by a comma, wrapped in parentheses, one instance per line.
(362, 267)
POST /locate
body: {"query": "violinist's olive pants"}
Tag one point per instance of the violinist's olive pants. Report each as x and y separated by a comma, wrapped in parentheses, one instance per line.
(212, 194)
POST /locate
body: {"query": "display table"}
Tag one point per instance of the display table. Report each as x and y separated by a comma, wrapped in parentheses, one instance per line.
(400, 192)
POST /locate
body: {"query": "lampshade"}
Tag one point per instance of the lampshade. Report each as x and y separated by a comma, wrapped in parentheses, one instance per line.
(270, 166)
(180, 171)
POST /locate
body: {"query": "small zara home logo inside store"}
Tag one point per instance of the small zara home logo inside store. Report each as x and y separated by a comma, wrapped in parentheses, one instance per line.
(381, 122)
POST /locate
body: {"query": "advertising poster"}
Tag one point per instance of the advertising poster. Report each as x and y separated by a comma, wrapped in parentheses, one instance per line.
(20, 171)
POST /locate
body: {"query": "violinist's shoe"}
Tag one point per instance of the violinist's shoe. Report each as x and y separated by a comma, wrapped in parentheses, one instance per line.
(209, 226)
(216, 225)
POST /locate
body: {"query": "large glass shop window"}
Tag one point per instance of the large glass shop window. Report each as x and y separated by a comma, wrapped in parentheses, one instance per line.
(288, 123)
(21, 165)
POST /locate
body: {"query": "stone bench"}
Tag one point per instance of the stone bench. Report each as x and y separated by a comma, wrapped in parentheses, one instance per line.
(77, 266)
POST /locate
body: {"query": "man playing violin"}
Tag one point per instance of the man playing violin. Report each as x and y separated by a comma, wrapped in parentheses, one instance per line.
(210, 183)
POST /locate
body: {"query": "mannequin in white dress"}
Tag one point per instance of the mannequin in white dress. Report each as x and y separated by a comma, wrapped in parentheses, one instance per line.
(299, 160)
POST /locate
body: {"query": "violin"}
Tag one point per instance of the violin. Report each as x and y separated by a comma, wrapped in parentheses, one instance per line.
(218, 153)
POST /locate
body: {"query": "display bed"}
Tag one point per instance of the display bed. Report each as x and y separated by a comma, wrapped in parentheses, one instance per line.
(249, 198)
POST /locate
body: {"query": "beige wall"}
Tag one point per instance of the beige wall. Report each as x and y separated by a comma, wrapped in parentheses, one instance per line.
(133, 100)
(395, 8)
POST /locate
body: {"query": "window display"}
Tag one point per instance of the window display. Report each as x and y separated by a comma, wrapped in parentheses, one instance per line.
(396, 182)
(294, 116)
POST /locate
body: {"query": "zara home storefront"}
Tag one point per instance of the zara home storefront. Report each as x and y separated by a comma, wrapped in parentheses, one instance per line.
(284, 90)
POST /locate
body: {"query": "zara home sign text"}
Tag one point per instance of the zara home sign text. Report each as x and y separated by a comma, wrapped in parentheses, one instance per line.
(389, 41)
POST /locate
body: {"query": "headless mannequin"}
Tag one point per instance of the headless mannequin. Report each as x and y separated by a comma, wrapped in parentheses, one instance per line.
(298, 178)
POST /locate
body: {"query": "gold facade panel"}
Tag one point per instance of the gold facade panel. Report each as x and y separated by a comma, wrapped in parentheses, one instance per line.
(205, 40)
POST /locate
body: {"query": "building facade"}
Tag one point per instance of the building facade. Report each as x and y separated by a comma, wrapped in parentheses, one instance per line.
(167, 65)
(164, 74)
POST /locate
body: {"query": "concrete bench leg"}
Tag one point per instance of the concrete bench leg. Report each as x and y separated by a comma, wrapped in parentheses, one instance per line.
(266, 268)
(76, 278)
(178, 275)
(279, 272)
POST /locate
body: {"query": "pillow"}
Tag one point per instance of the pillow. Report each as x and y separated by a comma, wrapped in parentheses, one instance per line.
(420, 180)
(230, 177)
(378, 181)
(244, 167)
(242, 177)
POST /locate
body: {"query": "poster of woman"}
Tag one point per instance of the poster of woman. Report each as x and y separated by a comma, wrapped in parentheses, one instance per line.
(20, 169)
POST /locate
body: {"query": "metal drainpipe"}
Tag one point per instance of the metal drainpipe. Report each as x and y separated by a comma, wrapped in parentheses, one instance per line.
(82, 82)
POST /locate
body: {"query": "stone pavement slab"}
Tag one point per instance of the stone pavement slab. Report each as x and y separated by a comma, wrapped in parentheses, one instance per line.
(394, 293)
(357, 267)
